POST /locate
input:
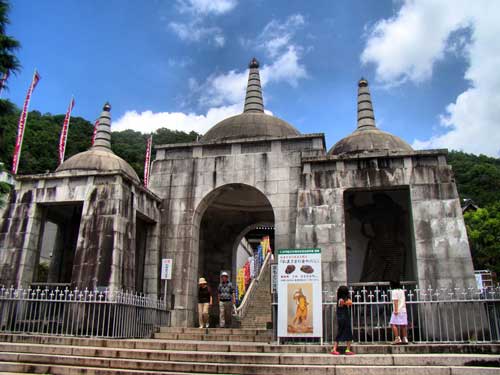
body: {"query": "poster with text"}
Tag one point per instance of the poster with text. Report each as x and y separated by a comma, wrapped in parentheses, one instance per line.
(299, 293)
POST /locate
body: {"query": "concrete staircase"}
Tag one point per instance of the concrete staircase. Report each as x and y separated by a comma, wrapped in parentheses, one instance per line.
(195, 351)
(259, 314)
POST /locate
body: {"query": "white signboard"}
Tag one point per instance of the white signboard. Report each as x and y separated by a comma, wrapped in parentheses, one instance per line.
(166, 269)
(299, 293)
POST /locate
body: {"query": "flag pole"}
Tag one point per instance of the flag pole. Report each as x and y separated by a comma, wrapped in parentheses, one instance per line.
(22, 123)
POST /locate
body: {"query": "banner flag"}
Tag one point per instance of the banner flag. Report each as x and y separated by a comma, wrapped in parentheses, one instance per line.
(147, 161)
(22, 123)
(96, 125)
(5, 77)
(64, 132)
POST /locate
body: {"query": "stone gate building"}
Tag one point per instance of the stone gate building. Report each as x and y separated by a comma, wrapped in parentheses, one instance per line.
(378, 209)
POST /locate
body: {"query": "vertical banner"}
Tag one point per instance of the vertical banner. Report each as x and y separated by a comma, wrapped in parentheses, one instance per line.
(64, 132)
(22, 123)
(5, 77)
(147, 161)
(299, 293)
(96, 125)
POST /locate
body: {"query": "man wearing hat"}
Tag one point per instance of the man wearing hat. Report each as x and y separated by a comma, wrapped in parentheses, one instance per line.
(204, 301)
(225, 297)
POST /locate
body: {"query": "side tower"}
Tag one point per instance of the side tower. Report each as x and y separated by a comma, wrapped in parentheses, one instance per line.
(382, 211)
(90, 224)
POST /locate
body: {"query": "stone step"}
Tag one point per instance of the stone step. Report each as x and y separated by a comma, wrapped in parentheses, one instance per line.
(245, 358)
(94, 363)
(224, 331)
(255, 347)
(211, 337)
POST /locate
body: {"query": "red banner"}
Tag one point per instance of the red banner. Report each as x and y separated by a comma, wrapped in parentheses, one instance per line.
(22, 123)
(5, 77)
(96, 125)
(64, 132)
(147, 161)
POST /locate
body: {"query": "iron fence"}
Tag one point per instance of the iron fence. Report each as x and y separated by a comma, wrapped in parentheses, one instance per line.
(90, 313)
(434, 315)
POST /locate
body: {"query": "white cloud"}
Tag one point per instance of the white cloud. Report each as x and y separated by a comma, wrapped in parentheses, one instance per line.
(148, 121)
(407, 46)
(205, 7)
(195, 31)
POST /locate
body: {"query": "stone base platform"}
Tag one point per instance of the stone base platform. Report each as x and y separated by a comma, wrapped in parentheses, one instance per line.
(67, 355)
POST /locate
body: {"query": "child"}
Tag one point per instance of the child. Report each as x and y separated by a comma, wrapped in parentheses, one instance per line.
(399, 319)
(344, 329)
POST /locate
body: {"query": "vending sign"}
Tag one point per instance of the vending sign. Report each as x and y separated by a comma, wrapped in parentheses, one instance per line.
(299, 293)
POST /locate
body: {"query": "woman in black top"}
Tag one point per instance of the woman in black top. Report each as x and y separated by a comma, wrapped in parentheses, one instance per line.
(344, 327)
(204, 301)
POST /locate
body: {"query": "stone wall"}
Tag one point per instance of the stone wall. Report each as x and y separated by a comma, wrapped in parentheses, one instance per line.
(441, 246)
(188, 177)
(105, 250)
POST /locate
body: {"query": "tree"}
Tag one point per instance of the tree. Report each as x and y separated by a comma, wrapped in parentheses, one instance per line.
(483, 228)
(8, 45)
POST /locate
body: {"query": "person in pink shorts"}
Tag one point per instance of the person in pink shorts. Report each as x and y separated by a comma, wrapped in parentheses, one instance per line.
(399, 318)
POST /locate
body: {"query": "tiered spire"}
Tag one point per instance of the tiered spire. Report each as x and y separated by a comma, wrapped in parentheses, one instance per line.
(253, 99)
(366, 118)
(103, 134)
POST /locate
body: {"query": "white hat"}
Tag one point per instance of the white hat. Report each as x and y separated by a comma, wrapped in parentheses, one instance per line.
(224, 274)
(202, 280)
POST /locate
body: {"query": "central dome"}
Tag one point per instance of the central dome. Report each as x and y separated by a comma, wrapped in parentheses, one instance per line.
(253, 122)
(249, 125)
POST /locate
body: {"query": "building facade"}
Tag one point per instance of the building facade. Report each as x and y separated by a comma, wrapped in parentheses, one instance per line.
(378, 209)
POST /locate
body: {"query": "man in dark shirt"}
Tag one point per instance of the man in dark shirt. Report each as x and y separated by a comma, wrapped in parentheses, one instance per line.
(225, 296)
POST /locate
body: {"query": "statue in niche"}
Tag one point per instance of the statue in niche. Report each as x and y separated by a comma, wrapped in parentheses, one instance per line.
(382, 223)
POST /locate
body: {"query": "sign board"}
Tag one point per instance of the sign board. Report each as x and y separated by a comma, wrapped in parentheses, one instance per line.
(166, 269)
(274, 278)
(299, 293)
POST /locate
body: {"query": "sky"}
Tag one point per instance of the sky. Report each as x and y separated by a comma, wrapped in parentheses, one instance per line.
(433, 66)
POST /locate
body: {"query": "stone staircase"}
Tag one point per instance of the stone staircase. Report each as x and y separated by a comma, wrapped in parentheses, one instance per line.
(232, 351)
(259, 314)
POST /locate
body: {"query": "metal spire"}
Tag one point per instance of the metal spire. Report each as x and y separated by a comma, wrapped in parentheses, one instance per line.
(366, 118)
(253, 99)
(103, 134)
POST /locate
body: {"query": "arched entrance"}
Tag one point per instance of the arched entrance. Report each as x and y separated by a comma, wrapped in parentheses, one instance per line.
(226, 216)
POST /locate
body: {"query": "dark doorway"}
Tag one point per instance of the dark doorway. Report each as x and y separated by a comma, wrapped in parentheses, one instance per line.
(379, 237)
(142, 232)
(58, 239)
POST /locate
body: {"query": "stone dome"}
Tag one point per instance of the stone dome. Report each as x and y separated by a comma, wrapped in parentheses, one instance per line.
(98, 160)
(369, 140)
(249, 125)
(253, 122)
(367, 137)
(100, 157)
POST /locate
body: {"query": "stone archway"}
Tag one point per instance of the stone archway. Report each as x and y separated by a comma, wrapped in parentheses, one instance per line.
(220, 219)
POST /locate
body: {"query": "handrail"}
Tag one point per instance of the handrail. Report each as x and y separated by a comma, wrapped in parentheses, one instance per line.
(241, 309)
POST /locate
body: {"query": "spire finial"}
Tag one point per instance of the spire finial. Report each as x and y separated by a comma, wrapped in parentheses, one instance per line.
(254, 63)
(253, 98)
(103, 134)
(366, 118)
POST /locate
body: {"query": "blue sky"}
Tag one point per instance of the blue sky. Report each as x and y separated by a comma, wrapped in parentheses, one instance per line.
(432, 66)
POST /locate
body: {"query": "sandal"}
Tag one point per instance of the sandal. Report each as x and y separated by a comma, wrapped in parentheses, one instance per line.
(397, 341)
(349, 352)
(334, 352)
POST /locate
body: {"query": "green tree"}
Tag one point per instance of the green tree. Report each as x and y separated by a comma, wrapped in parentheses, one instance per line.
(477, 177)
(483, 229)
(8, 45)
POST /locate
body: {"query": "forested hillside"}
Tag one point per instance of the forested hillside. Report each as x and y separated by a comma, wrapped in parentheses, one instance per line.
(41, 139)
